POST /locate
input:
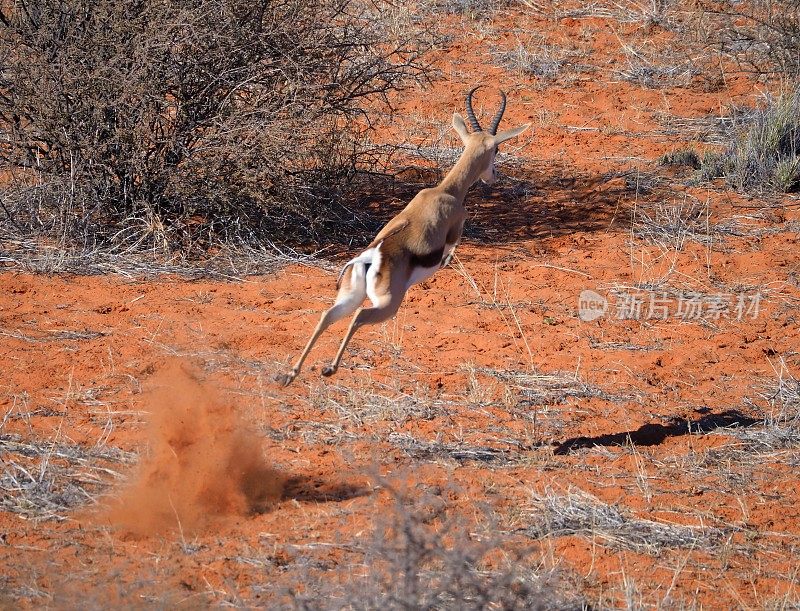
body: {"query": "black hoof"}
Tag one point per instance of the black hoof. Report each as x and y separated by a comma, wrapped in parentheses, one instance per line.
(328, 371)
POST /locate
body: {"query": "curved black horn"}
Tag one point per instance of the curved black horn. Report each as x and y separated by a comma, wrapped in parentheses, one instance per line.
(476, 127)
(496, 120)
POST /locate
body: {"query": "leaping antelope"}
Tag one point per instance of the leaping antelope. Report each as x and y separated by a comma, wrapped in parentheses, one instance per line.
(416, 243)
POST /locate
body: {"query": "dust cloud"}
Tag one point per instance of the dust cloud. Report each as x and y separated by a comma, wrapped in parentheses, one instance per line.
(203, 463)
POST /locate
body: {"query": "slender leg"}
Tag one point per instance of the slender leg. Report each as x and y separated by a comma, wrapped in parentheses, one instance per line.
(364, 316)
(450, 252)
(452, 242)
(350, 296)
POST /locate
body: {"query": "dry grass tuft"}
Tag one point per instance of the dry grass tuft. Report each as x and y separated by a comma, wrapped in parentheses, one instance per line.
(552, 388)
(363, 404)
(778, 403)
(579, 513)
(45, 480)
(232, 260)
(763, 152)
(669, 224)
(783, 398)
(546, 62)
(431, 450)
(649, 68)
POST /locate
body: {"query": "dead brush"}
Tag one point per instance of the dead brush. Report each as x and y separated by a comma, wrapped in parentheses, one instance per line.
(362, 405)
(232, 259)
(420, 449)
(471, 9)
(762, 440)
(784, 394)
(779, 398)
(638, 182)
(778, 403)
(628, 346)
(578, 513)
(423, 556)
(710, 129)
(671, 224)
(551, 388)
(652, 69)
(54, 335)
(753, 225)
(759, 37)
(535, 57)
(315, 433)
(650, 12)
(45, 480)
(172, 124)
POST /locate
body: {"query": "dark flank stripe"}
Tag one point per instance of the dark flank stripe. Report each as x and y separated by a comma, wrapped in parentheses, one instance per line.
(429, 260)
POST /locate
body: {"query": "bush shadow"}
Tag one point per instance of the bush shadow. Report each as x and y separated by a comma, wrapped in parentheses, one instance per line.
(519, 207)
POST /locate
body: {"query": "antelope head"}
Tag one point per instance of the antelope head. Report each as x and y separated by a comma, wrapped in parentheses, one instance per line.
(483, 145)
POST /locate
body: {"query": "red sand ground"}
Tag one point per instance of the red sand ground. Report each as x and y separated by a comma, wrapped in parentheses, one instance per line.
(243, 487)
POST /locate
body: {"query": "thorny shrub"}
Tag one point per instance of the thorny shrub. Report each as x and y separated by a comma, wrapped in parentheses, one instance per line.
(421, 558)
(145, 121)
(761, 36)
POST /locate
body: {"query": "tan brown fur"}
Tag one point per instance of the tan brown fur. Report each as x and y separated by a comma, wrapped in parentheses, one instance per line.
(426, 231)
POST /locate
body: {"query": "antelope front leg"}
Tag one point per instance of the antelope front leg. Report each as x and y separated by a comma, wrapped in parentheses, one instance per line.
(450, 254)
(454, 238)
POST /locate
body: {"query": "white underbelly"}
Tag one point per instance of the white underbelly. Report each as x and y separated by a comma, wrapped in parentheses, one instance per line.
(420, 274)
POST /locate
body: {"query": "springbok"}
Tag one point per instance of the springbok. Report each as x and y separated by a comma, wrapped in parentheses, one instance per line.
(416, 243)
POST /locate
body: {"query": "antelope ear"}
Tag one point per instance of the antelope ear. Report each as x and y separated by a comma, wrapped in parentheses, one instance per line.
(510, 133)
(460, 127)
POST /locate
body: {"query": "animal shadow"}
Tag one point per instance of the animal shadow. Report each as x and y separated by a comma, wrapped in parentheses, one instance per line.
(311, 489)
(655, 434)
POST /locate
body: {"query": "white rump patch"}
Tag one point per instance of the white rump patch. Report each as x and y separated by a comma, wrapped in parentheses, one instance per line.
(374, 266)
(363, 258)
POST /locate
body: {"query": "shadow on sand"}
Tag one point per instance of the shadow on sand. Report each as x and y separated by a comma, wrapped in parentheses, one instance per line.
(542, 202)
(315, 490)
(654, 434)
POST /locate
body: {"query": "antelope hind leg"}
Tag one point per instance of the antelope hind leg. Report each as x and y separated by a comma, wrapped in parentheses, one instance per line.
(352, 292)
